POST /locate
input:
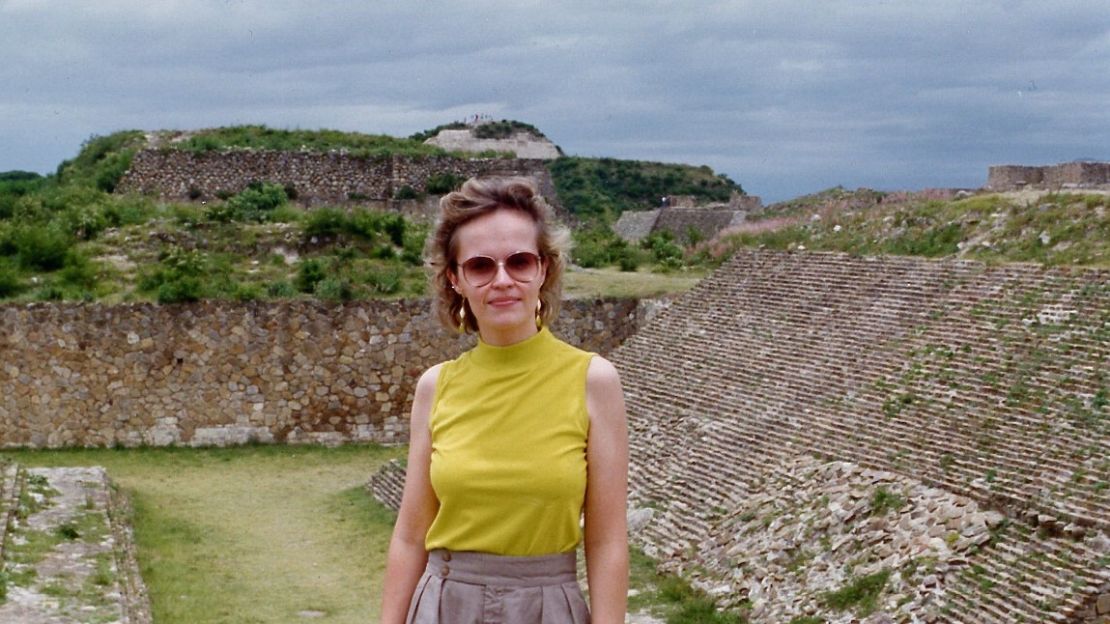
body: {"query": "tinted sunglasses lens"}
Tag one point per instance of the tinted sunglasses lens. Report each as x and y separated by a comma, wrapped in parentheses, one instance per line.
(522, 266)
(479, 270)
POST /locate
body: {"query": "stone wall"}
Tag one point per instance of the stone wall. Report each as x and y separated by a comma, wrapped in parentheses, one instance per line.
(682, 222)
(957, 388)
(316, 177)
(634, 225)
(215, 373)
(1052, 177)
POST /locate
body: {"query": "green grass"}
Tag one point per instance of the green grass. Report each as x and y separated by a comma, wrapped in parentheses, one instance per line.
(249, 535)
(860, 594)
(671, 598)
(612, 282)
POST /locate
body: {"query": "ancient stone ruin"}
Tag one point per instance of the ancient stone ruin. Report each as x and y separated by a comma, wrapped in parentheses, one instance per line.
(313, 177)
(220, 372)
(522, 143)
(684, 219)
(802, 422)
(1064, 176)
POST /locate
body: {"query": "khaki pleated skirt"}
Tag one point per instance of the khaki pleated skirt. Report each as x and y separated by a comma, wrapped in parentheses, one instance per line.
(479, 588)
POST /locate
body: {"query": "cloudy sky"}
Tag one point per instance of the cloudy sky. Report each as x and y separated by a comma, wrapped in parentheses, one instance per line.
(785, 97)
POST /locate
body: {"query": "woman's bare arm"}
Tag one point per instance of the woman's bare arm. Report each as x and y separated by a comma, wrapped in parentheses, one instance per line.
(407, 556)
(606, 527)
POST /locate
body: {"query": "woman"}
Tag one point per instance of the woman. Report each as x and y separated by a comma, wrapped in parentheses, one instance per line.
(514, 442)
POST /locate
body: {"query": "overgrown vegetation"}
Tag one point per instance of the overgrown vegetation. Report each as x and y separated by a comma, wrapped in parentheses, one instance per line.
(263, 137)
(599, 189)
(1059, 229)
(488, 130)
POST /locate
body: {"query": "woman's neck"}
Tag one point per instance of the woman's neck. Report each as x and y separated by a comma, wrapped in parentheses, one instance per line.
(509, 336)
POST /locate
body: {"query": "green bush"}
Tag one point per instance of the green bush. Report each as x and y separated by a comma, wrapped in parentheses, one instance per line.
(41, 247)
(662, 247)
(246, 292)
(309, 273)
(256, 203)
(333, 289)
(79, 270)
(10, 282)
(83, 222)
(128, 210)
(385, 281)
(102, 160)
(280, 289)
(406, 192)
(181, 277)
(325, 222)
(443, 183)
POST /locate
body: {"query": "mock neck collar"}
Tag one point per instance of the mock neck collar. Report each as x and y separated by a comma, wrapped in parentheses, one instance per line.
(516, 354)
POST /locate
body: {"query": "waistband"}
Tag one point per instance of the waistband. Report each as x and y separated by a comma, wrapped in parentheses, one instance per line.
(507, 571)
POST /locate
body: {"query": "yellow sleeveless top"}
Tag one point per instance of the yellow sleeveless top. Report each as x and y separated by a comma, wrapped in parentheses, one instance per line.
(508, 429)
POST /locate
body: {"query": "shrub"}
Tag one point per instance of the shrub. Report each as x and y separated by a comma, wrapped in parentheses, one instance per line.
(598, 247)
(253, 204)
(180, 289)
(79, 270)
(325, 222)
(281, 289)
(443, 183)
(385, 281)
(128, 210)
(662, 247)
(334, 289)
(406, 192)
(10, 283)
(309, 272)
(181, 276)
(42, 247)
(84, 222)
(246, 292)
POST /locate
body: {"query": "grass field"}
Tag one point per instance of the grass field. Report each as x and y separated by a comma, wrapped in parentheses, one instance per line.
(275, 534)
(251, 535)
(589, 283)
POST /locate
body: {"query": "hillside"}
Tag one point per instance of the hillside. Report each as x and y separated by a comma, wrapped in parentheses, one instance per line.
(1046, 228)
(73, 236)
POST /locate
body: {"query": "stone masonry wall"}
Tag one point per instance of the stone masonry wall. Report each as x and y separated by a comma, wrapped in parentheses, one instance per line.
(317, 177)
(963, 389)
(1065, 175)
(215, 373)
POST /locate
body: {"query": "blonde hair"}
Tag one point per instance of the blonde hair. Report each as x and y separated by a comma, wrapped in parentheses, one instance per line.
(481, 196)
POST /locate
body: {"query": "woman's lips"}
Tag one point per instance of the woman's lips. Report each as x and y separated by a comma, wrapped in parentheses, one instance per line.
(502, 302)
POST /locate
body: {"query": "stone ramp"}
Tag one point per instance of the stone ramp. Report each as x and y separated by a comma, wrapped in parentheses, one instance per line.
(68, 553)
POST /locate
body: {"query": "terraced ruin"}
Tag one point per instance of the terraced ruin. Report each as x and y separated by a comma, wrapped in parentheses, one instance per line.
(929, 437)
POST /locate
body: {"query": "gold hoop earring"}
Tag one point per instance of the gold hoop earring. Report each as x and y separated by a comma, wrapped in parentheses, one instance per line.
(539, 314)
(462, 318)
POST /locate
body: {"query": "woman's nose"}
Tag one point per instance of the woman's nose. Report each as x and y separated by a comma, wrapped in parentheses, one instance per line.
(501, 277)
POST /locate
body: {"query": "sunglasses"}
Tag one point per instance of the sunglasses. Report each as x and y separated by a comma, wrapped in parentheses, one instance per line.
(522, 266)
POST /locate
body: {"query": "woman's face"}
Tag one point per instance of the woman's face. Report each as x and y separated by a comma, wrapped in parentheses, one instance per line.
(505, 307)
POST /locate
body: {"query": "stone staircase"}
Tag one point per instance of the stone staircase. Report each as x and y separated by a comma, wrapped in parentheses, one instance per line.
(985, 382)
